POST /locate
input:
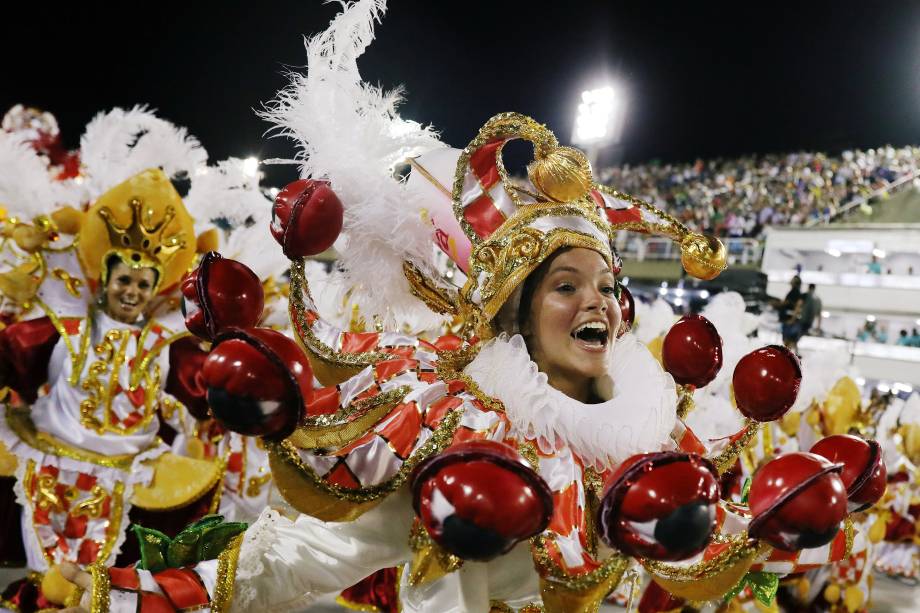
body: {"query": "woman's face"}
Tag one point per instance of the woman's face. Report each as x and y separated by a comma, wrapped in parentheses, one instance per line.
(573, 320)
(128, 292)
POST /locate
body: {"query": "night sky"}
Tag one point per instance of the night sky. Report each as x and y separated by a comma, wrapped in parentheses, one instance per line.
(703, 79)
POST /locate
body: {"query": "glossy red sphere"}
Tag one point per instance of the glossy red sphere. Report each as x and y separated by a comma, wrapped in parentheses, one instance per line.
(478, 499)
(660, 506)
(797, 501)
(257, 380)
(766, 383)
(692, 351)
(627, 309)
(221, 294)
(864, 474)
(307, 218)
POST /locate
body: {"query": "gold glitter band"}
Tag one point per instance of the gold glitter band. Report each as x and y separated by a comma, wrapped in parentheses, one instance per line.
(102, 587)
(226, 575)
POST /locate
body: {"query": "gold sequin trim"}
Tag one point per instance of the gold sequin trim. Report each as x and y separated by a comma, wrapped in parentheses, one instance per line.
(614, 566)
(740, 547)
(438, 441)
(226, 576)
(102, 587)
(849, 532)
(726, 459)
(20, 422)
(318, 349)
(347, 424)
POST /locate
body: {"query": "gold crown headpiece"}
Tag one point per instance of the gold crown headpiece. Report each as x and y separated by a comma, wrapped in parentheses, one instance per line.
(144, 223)
(498, 232)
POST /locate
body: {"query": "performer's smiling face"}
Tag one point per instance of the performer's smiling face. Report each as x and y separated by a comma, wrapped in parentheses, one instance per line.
(128, 291)
(572, 320)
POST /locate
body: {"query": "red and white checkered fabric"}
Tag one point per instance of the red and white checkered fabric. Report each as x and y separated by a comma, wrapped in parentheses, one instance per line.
(75, 516)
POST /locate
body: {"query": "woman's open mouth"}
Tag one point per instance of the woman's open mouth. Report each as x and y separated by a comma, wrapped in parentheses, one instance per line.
(592, 336)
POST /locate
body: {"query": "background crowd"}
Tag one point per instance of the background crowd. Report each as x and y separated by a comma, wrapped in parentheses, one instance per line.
(739, 197)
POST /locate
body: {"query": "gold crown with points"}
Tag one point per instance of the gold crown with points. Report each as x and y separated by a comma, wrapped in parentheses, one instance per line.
(144, 237)
(144, 223)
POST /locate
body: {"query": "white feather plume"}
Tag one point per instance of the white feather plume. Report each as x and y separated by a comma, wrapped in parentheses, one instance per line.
(350, 133)
(227, 192)
(121, 143)
(27, 188)
(252, 244)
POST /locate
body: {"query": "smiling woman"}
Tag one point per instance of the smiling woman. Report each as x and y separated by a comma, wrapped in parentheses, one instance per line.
(568, 317)
(127, 291)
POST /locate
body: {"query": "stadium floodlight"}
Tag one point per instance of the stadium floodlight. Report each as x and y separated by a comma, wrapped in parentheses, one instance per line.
(250, 166)
(599, 120)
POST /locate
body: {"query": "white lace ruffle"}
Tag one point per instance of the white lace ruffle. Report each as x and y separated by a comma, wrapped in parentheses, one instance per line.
(260, 538)
(639, 416)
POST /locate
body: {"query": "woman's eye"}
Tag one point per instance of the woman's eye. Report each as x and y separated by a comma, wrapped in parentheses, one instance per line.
(143, 285)
(565, 288)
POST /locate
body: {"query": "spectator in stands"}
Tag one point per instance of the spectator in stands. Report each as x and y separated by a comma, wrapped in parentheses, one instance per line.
(903, 339)
(914, 338)
(791, 301)
(790, 314)
(810, 310)
(875, 267)
(882, 334)
(867, 333)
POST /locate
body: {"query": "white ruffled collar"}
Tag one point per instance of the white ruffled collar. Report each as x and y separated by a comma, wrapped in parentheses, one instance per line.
(638, 418)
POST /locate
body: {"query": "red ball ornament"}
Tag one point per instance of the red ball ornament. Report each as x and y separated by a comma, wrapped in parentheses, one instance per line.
(864, 474)
(692, 351)
(221, 294)
(627, 310)
(478, 499)
(660, 506)
(797, 501)
(257, 380)
(766, 383)
(306, 218)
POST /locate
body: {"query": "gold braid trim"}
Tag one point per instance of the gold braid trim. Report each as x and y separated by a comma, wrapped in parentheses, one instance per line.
(20, 422)
(226, 575)
(102, 586)
(316, 348)
(849, 532)
(441, 300)
(338, 429)
(710, 579)
(725, 460)
(354, 606)
(430, 562)
(582, 593)
(498, 606)
(740, 547)
(311, 494)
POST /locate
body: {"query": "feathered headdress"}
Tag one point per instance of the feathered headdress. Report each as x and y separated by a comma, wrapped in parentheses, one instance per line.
(27, 187)
(464, 201)
(120, 143)
(349, 133)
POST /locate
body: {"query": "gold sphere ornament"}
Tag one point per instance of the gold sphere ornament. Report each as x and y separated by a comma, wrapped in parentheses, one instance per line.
(563, 174)
(55, 587)
(853, 599)
(877, 530)
(703, 256)
(832, 593)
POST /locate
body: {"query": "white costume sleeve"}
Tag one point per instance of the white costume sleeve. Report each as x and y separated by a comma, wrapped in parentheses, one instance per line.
(285, 565)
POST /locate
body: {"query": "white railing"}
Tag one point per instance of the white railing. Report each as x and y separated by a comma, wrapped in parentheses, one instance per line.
(635, 247)
(849, 206)
(846, 279)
